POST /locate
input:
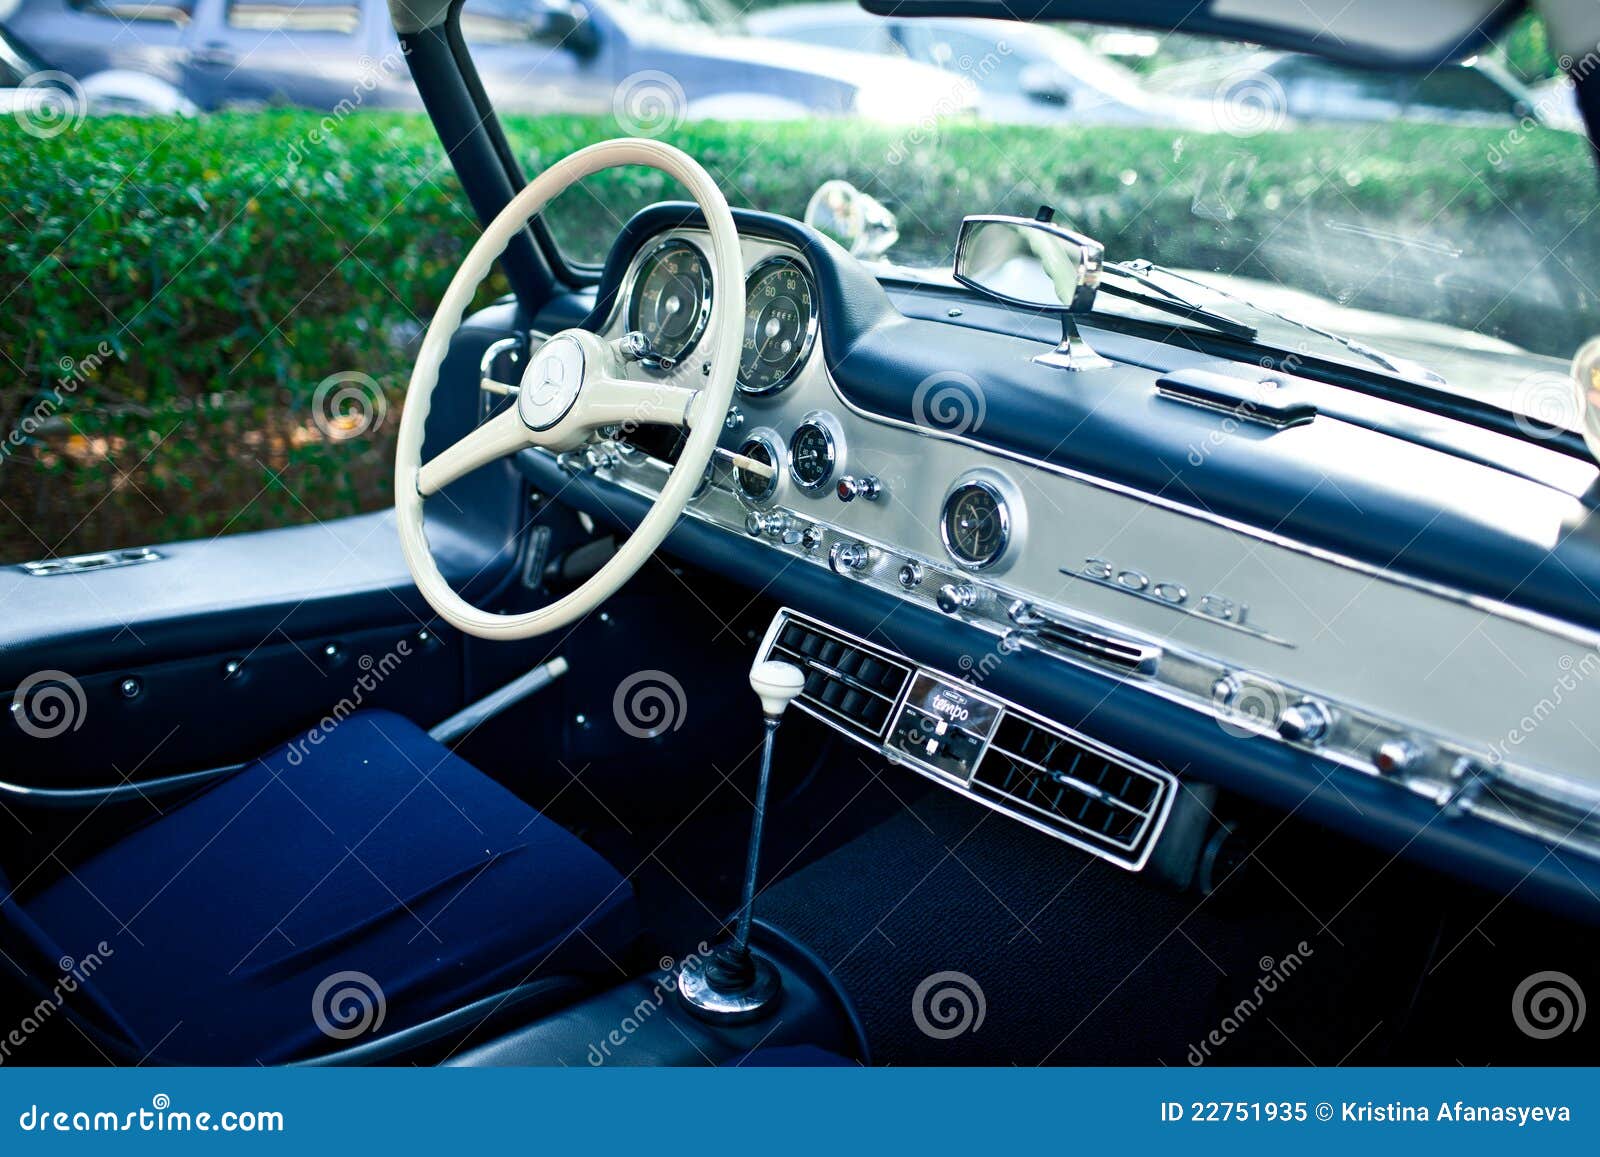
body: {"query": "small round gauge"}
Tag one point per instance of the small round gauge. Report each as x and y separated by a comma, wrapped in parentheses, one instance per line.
(814, 452)
(671, 299)
(752, 485)
(976, 524)
(780, 324)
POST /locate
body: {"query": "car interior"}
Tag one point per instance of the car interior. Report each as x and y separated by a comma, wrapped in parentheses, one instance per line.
(771, 657)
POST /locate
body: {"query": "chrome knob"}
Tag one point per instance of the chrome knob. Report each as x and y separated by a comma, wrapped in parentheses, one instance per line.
(811, 537)
(846, 557)
(911, 575)
(1396, 756)
(775, 524)
(851, 488)
(1307, 721)
(953, 597)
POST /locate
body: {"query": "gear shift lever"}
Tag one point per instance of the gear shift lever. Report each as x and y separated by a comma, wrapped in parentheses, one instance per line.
(733, 985)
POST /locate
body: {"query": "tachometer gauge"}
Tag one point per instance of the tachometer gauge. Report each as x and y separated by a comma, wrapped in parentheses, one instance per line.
(671, 298)
(780, 323)
(976, 524)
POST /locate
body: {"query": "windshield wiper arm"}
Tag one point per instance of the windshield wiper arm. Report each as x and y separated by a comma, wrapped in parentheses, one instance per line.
(1405, 367)
(1156, 296)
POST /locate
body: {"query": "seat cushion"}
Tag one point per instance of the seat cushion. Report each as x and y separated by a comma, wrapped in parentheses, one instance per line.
(367, 882)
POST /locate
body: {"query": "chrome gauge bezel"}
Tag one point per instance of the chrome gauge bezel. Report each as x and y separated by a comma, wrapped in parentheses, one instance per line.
(806, 343)
(630, 306)
(833, 435)
(774, 447)
(1008, 508)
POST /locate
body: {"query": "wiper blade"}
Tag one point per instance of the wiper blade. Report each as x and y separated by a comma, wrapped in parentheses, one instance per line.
(1156, 296)
(1404, 367)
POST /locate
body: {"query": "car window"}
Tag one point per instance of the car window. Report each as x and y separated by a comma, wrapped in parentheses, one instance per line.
(508, 22)
(991, 57)
(338, 16)
(1461, 90)
(1317, 89)
(137, 12)
(855, 36)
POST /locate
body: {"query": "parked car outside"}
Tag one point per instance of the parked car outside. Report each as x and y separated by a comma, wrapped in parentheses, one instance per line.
(1310, 88)
(1043, 75)
(640, 58)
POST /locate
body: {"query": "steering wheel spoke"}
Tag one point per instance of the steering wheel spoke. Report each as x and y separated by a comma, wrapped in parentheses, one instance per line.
(502, 434)
(617, 401)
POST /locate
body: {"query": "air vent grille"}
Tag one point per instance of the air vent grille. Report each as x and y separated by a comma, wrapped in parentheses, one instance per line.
(849, 683)
(1105, 803)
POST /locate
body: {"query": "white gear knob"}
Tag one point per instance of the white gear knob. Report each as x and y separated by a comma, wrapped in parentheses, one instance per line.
(776, 683)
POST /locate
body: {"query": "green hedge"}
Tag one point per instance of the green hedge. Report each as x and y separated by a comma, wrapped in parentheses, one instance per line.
(226, 266)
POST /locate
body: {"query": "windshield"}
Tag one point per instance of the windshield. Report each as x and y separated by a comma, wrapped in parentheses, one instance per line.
(1443, 220)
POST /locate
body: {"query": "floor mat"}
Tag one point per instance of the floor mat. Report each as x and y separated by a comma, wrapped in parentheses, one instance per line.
(966, 938)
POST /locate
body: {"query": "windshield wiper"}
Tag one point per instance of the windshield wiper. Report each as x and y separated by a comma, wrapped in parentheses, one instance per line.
(1140, 269)
(1161, 298)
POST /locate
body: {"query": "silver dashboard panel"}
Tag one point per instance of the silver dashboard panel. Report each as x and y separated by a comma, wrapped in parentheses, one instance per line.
(1469, 684)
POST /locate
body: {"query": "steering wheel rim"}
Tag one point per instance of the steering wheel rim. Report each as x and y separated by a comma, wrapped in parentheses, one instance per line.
(553, 412)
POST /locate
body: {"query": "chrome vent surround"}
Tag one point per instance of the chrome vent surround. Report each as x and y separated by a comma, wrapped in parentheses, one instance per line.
(848, 682)
(995, 753)
(1103, 802)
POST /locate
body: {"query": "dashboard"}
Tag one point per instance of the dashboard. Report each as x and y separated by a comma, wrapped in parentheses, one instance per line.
(941, 503)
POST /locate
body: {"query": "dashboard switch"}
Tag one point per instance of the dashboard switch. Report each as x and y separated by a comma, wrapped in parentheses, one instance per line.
(911, 575)
(846, 557)
(1307, 721)
(851, 488)
(955, 597)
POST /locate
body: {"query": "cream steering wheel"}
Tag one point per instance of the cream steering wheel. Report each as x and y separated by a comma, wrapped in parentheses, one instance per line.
(575, 383)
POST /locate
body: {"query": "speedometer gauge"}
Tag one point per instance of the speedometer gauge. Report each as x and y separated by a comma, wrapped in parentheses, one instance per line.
(671, 299)
(780, 323)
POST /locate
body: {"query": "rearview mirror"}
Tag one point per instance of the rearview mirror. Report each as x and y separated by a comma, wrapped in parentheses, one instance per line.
(1035, 263)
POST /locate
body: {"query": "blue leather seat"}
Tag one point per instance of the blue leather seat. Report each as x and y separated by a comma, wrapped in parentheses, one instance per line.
(268, 918)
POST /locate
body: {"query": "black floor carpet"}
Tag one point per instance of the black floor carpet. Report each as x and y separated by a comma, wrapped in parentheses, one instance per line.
(1071, 960)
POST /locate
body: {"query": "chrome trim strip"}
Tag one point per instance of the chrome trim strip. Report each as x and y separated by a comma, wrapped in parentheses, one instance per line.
(92, 797)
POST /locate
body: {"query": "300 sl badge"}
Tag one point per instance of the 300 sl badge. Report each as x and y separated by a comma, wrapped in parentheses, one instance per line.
(1213, 608)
